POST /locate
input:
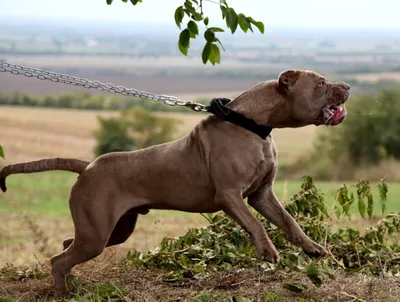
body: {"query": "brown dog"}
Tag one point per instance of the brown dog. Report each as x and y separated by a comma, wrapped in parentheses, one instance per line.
(213, 168)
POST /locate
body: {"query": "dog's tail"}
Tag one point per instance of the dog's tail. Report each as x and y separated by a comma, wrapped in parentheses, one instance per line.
(65, 164)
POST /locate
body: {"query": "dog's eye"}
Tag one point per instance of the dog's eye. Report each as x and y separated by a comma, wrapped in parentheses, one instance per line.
(321, 83)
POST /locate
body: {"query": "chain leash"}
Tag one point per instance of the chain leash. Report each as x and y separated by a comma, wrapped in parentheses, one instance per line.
(99, 86)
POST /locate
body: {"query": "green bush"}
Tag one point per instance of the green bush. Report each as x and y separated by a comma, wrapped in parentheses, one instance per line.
(112, 136)
(134, 129)
(224, 245)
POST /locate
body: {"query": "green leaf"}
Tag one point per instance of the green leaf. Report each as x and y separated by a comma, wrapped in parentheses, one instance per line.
(244, 23)
(209, 35)
(295, 287)
(258, 24)
(370, 207)
(206, 52)
(204, 298)
(383, 190)
(2, 152)
(338, 211)
(134, 2)
(270, 296)
(215, 55)
(216, 29)
(192, 26)
(224, 11)
(183, 50)
(109, 2)
(232, 20)
(184, 38)
(197, 16)
(191, 11)
(189, 6)
(220, 43)
(179, 14)
(206, 21)
(316, 273)
(184, 41)
(361, 207)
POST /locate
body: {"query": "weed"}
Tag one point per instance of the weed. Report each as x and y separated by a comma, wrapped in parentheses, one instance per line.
(222, 245)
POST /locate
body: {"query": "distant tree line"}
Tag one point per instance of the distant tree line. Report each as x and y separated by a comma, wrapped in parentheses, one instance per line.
(84, 100)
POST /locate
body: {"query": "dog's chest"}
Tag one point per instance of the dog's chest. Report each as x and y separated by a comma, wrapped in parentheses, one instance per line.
(265, 172)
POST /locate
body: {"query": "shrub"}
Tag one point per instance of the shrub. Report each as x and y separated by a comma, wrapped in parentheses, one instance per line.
(134, 129)
(223, 245)
(112, 136)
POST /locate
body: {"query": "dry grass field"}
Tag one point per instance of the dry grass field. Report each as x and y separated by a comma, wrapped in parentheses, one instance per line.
(375, 77)
(137, 73)
(185, 87)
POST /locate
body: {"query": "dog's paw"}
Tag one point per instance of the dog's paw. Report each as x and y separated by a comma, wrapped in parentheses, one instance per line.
(314, 250)
(267, 254)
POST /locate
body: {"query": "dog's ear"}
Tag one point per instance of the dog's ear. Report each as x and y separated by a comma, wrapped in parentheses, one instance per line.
(287, 79)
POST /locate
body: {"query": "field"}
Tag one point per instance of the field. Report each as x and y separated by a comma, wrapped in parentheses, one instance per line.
(38, 203)
(34, 211)
(35, 220)
(375, 77)
(35, 214)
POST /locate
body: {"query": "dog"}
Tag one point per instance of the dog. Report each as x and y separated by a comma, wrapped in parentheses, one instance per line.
(215, 167)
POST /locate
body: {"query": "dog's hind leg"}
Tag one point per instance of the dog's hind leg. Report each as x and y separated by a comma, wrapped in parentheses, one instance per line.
(124, 228)
(67, 242)
(93, 227)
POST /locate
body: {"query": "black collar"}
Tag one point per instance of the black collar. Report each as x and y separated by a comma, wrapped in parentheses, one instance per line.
(217, 107)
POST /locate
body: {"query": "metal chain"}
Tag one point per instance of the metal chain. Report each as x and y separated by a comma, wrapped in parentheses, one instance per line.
(99, 86)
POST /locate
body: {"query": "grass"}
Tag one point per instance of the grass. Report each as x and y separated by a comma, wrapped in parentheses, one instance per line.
(39, 203)
(47, 193)
(35, 220)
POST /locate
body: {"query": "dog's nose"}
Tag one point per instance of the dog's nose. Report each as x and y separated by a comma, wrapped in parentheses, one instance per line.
(345, 86)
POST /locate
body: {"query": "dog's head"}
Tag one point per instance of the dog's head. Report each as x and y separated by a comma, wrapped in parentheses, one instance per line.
(312, 100)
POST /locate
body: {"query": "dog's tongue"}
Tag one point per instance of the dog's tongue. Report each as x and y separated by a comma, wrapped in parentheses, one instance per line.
(338, 114)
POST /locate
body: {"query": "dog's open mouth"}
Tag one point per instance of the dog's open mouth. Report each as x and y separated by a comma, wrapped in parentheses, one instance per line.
(334, 114)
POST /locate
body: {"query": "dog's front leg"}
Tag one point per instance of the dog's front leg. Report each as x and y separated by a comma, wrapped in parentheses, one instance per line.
(233, 205)
(267, 204)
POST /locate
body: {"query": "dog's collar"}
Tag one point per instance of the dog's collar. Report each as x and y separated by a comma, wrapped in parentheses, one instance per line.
(217, 107)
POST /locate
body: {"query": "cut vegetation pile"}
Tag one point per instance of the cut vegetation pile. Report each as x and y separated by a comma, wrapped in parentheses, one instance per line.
(217, 262)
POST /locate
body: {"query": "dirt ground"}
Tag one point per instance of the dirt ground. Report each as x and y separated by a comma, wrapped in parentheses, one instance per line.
(131, 284)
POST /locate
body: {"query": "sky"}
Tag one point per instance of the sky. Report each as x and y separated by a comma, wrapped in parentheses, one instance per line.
(274, 13)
